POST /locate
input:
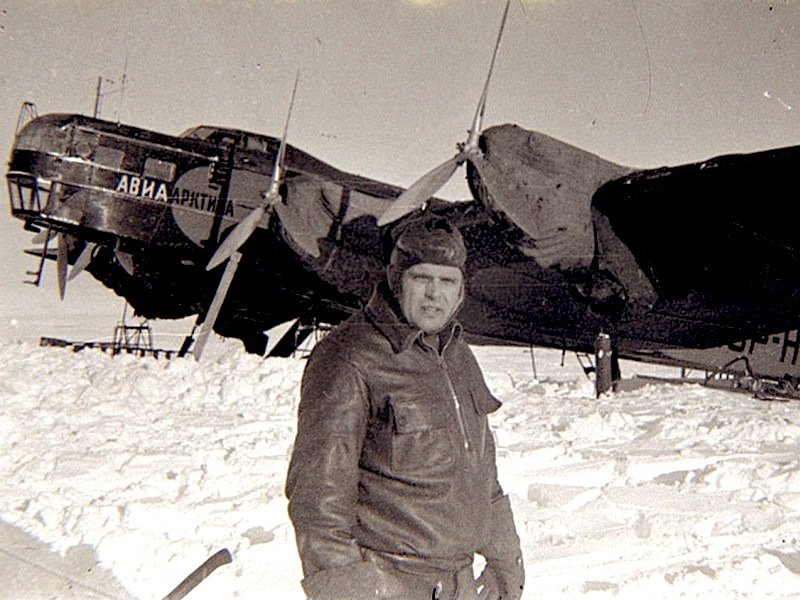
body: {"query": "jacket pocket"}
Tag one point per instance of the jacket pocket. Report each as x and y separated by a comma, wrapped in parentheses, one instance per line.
(420, 437)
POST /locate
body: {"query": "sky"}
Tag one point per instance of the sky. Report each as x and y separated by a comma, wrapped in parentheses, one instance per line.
(387, 88)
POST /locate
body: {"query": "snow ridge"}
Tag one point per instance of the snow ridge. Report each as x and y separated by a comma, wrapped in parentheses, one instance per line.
(661, 492)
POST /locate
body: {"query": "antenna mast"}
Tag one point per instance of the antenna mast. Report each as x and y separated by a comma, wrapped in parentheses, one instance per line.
(97, 97)
(122, 92)
(99, 93)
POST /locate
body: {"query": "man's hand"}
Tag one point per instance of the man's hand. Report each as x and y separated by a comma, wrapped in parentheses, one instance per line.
(488, 587)
(504, 575)
(501, 581)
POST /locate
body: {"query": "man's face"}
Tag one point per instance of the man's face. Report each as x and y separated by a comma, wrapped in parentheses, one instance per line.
(430, 294)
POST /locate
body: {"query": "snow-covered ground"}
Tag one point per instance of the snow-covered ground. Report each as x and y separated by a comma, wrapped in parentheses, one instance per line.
(664, 491)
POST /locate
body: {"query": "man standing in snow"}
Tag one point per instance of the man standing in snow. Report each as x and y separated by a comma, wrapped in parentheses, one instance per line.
(392, 484)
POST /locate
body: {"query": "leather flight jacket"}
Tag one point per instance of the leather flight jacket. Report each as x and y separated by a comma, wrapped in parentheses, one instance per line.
(393, 453)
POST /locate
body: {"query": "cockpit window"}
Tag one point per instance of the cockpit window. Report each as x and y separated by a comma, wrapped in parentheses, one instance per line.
(203, 132)
(155, 168)
(257, 143)
(244, 141)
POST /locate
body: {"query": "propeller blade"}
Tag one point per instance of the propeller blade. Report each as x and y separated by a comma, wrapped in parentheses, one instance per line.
(248, 225)
(237, 237)
(430, 183)
(42, 236)
(62, 264)
(83, 261)
(125, 260)
(280, 159)
(216, 303)
(422, 189)
(41, 253)
(475, 129)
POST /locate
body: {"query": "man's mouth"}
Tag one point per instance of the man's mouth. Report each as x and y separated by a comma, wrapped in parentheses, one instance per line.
(429, 309)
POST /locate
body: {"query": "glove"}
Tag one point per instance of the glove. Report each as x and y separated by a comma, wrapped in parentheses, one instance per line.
(488, 586)
(504, 575)
(499, 583)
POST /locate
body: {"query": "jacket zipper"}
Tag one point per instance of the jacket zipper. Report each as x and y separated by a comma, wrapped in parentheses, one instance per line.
(456, 404)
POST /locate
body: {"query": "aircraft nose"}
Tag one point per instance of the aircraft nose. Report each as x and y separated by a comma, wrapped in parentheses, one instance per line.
(477, 186)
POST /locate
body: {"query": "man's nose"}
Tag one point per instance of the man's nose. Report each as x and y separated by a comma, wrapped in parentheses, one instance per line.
(432, 288)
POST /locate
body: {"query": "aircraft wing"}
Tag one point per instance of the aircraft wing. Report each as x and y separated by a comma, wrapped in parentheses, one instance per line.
(716, 240)
(694, 256)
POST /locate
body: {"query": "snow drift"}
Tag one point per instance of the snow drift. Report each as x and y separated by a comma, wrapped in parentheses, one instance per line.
(661, 492)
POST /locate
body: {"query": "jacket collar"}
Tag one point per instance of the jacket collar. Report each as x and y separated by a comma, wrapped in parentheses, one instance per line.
(382, 311)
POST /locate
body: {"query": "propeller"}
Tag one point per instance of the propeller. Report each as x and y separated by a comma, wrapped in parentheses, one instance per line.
(228, 250)
(63, 243)
(216, 303)
(62, 264)
(43, 235)
(247, 226)
(83, 260)
(430, 183)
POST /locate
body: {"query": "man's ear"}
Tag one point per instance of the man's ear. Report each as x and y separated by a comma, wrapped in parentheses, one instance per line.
(461, 294)
(394, 277)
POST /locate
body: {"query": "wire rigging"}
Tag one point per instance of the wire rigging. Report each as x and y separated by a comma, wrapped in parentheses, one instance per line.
(647, 54)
